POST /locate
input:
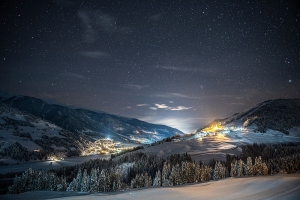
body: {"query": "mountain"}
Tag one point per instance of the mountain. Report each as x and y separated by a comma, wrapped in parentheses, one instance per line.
(277, 114)
(24, 136)
(92, 123)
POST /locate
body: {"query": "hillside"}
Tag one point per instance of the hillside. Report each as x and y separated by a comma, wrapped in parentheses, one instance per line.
(24, 137)
(91, 123)
(277, 115)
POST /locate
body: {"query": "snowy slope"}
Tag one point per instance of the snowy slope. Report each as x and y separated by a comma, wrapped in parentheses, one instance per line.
(277, 114)
(92, 123)
(223, 137)
(32, 132)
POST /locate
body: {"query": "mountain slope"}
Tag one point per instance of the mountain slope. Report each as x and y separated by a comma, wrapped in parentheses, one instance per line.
(92, 123)
(24, 136)
(278, 115)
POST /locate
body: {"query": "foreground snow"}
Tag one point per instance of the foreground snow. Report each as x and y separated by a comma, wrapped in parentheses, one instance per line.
(283, 186)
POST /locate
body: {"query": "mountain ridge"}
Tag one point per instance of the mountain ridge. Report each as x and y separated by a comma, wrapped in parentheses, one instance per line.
(275, 114)
(92, 123)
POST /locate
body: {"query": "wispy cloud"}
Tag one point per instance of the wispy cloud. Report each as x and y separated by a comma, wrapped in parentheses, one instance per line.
(162, 106)
(166, 107)
(142, 105)
(180, 108)
(172, 95)
(94, 54)
(73, 75)
(135, 86)
(203, 96)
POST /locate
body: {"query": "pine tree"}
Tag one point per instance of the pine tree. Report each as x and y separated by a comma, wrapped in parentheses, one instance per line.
(264, 169)
(197, 175)
(258, 167)
(75, 185)
(249, 167)
(72, 186)
(233, 168)
(219, 171)
(157, 179)
(148, 180)
(102, 178)
(85, 183)
(240, 168)
(165, 175)
(94, 180)
(108, 181)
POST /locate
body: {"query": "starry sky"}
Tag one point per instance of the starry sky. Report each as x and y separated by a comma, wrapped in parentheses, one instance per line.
(179, 63)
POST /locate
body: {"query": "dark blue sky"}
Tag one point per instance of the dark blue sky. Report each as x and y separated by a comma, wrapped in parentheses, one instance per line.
(180, 63)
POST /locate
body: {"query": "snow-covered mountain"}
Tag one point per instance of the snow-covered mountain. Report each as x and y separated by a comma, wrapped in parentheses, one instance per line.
(278, 115)
(91, 123)
(24, 136)
(272, 121)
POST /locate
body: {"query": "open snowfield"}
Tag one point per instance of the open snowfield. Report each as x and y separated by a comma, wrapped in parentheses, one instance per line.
(282, 186)
(216, 147)
(203, 149)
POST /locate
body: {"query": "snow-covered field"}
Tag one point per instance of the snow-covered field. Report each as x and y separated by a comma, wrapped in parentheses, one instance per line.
(203, 149)
(282, 186)
(216, 147)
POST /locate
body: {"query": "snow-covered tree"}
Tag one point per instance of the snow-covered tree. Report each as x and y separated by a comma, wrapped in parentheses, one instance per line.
(85, 182)
(101, 181)
(157, 179)
(75, 185)
(219, 171)
(240, 168)
(94, 180)
(249, 167)
(165, 175)
(233, 168)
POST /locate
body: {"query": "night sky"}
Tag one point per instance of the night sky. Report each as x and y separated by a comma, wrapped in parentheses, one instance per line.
(179, 63)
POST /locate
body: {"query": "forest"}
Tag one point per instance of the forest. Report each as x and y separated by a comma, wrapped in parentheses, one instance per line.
(137, 170)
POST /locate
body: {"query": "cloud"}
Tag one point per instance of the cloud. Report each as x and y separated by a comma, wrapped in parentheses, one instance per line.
(94, 54)
(162, 106)
(73, 75)
(165, 107)
(153, 108)
(172, 95)
(135, 86)
(141, 105)
(179, 95)
(180, 108)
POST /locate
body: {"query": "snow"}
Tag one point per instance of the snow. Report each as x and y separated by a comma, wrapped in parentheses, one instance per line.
(216, 147)
(248, 135)
(202, 149)
(281, 186)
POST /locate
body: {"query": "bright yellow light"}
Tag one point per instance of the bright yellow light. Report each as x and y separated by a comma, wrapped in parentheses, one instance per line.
(214, 128)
